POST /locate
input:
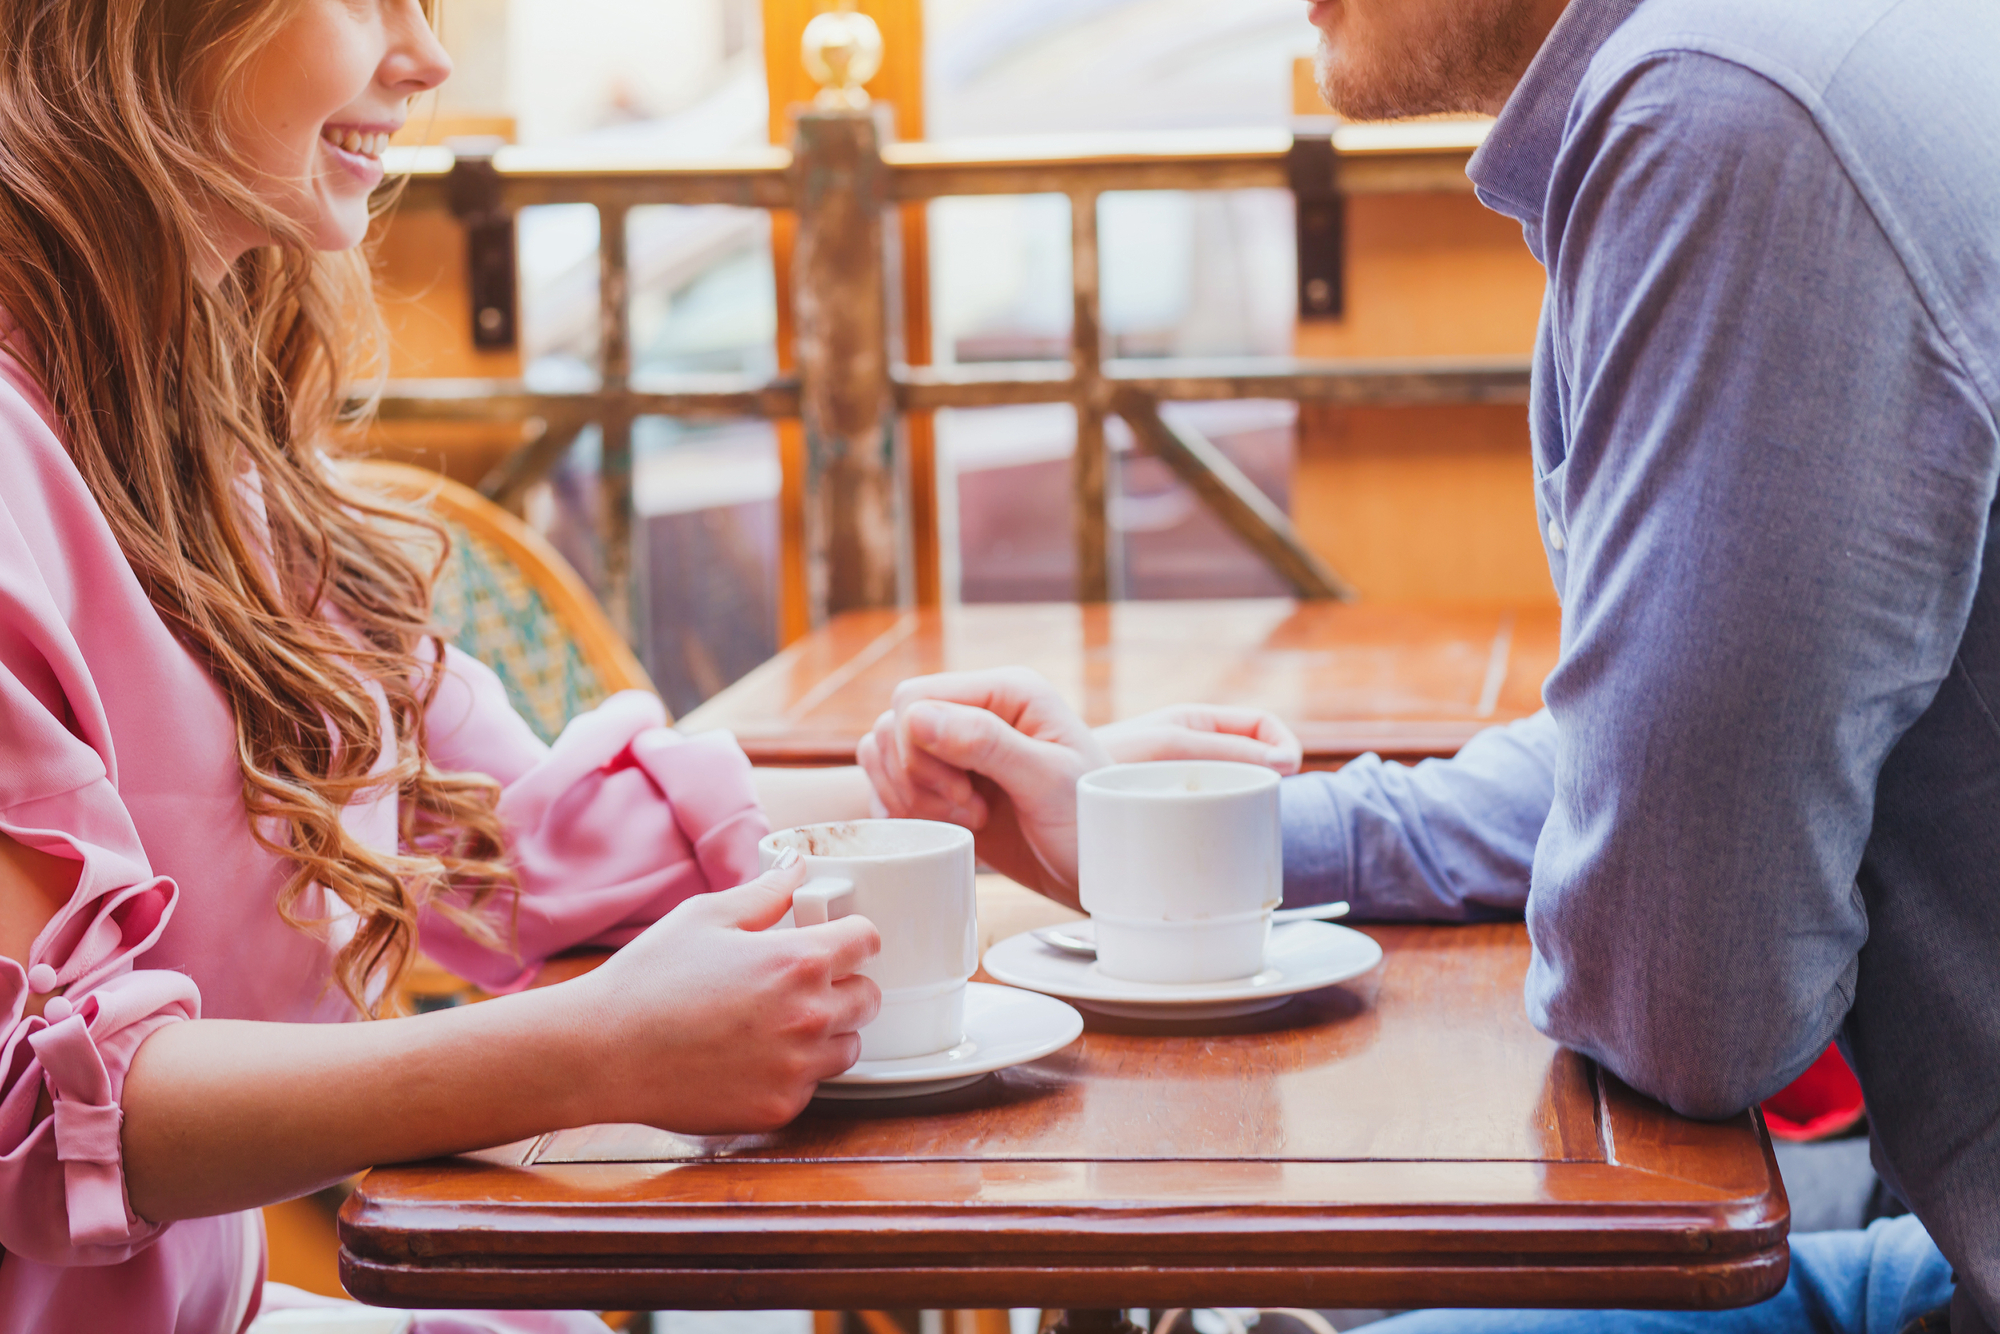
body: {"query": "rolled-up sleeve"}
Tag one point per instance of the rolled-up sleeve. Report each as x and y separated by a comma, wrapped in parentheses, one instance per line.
(1441, 841)
(1771, 511)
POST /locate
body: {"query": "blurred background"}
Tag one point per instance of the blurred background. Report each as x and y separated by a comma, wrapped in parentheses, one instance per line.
(1419, 505)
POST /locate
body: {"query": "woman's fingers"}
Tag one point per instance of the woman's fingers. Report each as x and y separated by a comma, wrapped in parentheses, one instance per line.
(1204, 731)
(759, 904)
(857, 1000)
(848, 943)
(836, 1056)
(1179, 743)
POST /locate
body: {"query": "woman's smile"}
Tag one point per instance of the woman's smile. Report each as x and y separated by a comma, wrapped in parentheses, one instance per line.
(357, 149)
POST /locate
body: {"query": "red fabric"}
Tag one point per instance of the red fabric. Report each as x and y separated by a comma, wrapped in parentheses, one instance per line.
(1823, 1101)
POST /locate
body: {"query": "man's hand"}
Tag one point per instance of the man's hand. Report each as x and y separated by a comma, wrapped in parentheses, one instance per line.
(1000, 752)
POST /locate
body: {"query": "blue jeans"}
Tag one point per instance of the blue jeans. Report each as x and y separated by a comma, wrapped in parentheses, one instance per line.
(1872, 1282)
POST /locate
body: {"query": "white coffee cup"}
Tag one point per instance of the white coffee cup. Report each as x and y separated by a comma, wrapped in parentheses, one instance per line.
(1180, 863)
(913, 880)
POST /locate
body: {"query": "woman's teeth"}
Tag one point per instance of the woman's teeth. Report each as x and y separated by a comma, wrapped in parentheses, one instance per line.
(366, 145)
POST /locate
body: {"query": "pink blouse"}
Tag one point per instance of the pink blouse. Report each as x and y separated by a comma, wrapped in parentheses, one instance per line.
(117, 751)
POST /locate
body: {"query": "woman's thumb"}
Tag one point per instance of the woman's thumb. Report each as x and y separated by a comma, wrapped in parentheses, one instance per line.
(760, 904)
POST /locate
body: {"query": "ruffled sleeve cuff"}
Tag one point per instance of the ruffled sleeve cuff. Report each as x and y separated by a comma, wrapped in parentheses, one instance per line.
(62, 1178)
(84, 1059)
(617, 823)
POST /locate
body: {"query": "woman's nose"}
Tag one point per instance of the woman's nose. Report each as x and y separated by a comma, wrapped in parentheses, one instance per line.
(417, 62)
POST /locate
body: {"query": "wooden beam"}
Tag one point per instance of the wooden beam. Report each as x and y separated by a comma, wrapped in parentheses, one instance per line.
(1424, 157)
(1373, 381)
(759, 178)
(1408, 381)
(510, 400)
(1234, 498)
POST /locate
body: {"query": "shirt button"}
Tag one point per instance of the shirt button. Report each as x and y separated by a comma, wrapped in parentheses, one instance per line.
(1555, 536)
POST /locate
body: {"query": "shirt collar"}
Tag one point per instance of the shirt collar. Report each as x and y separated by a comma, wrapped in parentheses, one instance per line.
(1511, 170)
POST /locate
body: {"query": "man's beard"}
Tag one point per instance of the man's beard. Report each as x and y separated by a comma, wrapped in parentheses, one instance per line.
(1466, 61)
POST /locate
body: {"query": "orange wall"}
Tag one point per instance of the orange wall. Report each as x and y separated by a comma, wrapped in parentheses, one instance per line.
(420, 286)
(1426, 505)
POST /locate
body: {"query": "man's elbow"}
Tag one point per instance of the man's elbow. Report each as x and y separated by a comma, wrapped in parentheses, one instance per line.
(1706, 1091)
(1702, 1061)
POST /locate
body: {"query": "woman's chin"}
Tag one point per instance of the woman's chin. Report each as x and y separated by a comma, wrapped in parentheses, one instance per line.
(342, 224)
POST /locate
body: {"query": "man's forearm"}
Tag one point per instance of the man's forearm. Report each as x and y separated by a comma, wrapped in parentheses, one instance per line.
(222, 1115)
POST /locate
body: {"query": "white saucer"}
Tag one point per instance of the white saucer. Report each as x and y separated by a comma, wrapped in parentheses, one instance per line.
(1302, 956)
(1003, 1027)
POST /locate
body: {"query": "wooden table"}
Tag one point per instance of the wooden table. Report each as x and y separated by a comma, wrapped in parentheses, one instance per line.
(1403, 1140)
(1406, 682)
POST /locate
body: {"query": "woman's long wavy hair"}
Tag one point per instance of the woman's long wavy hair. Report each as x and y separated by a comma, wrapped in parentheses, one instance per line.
(185, 404)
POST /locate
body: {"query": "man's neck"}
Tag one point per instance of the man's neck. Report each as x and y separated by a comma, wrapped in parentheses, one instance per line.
(1540, 18)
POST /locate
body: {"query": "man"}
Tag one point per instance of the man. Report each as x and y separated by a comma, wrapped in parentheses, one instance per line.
(1762, 807)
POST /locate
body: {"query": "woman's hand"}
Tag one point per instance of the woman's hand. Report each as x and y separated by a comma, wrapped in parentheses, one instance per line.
(711, 1023)
(1000, 752)
(1204, 732)
(708, 1023)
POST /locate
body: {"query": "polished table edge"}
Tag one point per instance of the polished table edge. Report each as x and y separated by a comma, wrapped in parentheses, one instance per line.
(463, 1212)
(1419, 1280)
(1145, 1253)
(1324, 745)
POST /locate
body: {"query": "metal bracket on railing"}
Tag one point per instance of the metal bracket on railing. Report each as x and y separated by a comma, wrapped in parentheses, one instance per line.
(1314, 170)
(474, 192)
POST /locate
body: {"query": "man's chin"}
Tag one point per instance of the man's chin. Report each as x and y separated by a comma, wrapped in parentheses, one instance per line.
(1466, 61)
(1358, 94)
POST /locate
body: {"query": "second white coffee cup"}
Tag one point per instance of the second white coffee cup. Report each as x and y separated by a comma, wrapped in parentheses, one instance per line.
(913, 880)
(1180, 863)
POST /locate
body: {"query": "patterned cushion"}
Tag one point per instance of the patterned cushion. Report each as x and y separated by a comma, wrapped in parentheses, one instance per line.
(488, 610)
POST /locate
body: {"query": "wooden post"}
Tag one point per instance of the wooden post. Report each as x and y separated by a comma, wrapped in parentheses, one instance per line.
(856, 538)
(899, 84)
(615, 463)
(1090, 464)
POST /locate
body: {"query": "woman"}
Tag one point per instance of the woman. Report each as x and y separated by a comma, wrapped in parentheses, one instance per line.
(233, 787)
(239, 778)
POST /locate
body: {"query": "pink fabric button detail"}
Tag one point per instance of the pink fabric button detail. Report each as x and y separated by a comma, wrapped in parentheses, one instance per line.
(41, 979)
(58, 1009)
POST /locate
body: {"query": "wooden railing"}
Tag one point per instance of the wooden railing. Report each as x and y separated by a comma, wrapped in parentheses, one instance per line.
(839, 179)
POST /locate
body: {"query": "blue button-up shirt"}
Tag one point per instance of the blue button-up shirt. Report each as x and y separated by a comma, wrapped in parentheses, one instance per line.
(1762, 808)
